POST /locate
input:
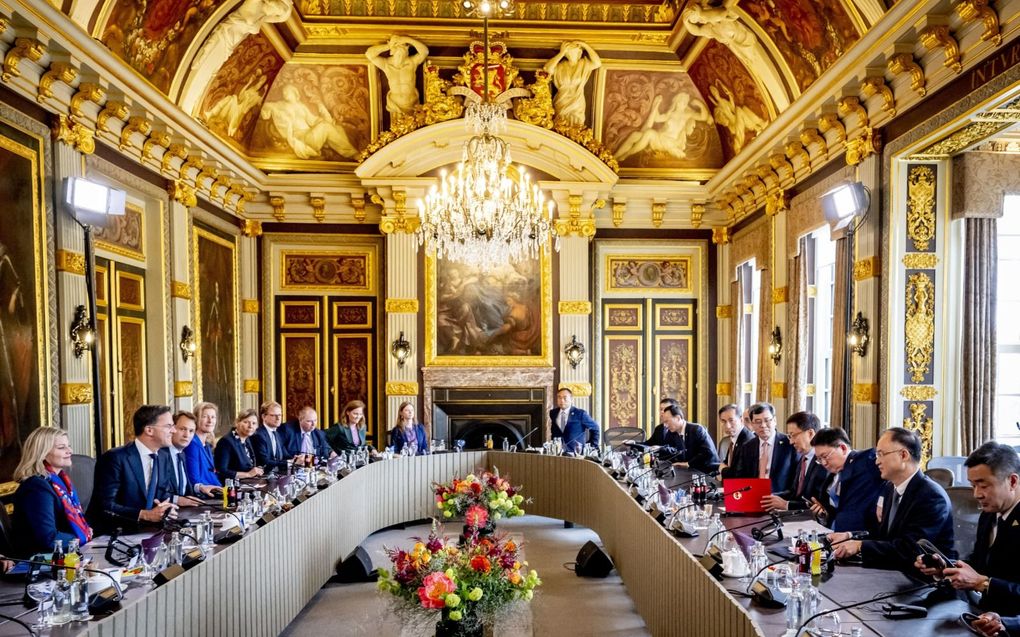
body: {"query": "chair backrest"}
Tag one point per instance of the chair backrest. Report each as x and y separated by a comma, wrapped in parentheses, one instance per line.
(944, 477)
(966, 512)
(954, 464)
(7, 546)
(83, 476)
(616, 436)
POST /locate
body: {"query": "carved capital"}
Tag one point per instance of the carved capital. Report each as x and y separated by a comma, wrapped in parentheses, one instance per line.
(182, 193)
(392, 224)
(23, 49)
(867, 268)
(394, 388)
(402, 306)
(74, 134)
(697, 213)
(575, 307)
(250, 306)
(723, 311)
(937, 36)
(619, 207)
(576, 226)
(868, 143)
(720, 235)
(183, 388)
(279, 205)
(776, 203)
(577, 389)
(252, 386)
(875, 85)
(658, 212)
(904, 63)
(971, 10)
(867, 393)
(723, 389)
(58, 72)
(251, 228)
(87, 92)
(72, 262)
(180, 290)
(830, 121)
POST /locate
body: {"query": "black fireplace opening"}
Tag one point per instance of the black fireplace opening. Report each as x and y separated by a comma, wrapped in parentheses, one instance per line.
(469, 414)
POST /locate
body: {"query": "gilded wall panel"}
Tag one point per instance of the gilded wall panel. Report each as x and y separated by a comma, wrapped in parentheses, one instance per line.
(648, 274)
(352, 371)
(347, 315)
(300, 370)
(348, 271)
(623, 316)
(624, 367)
(299, 314)
(919, 327)
(921, 188)
(673, 356)
(123, 234)
(673, 316)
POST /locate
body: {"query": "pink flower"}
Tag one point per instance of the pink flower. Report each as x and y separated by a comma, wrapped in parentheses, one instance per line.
(476, 516)
(435, 587)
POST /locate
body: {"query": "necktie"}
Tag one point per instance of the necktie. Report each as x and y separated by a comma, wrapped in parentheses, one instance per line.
(563, 421)
(834, 493)
(893, 504)
(182, 476)
(801, 474)
(272, 442)
(998, 529)
(306, 442)
(150, 489)
(763, 461)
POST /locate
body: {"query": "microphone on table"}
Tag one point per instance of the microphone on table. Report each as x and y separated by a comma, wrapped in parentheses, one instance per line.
(698, 475)
(771, 597)
(525, 437)
(669, 458)
(871, 600)
(719, 494)
(119, 552)
(775, 526)
(101, 601)
(774, 517)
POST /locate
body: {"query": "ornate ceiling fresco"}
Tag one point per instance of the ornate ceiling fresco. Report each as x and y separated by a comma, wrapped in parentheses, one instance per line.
(671, 89)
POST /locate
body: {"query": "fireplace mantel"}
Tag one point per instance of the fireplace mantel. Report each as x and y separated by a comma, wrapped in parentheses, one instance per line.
(529, 377)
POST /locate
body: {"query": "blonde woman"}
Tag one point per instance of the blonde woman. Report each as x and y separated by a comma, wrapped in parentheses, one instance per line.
(198, 455)
(46, 505)
(235, 457)
(407, 432)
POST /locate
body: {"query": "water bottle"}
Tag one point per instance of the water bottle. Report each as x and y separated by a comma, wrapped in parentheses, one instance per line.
(206, 526)
(80, 599)
(715, 526)
(758, 558)
(61, 602)
(176, 549)
(795, 606)
(506, 444)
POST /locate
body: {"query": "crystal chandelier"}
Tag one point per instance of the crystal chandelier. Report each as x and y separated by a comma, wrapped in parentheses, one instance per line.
(486, 212)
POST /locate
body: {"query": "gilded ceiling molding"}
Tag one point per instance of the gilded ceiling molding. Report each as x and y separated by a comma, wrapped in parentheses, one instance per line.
(173, 151)
(851, 105)
(219, 187)
(720, 235)
(574, 224)
(394, 388)
(250, 306)
(195, 162)
(156, 139)
(86, 92)
(74, 134)
(864, 145)
(318, 204)
(924, 426)
(23, 49)
(180, 290)
(937, 36)
(135, 124)
(961, 139)
(723, 311)
(867, 268)
(920, 325)
(697, 214)
(183, 388)
(358, 203)
(75, 394)
(795, 151)
(207, 174)
(866, 393)
(921, 205)
(972, 10)
(279, 205)
(783, 169)
(830, 121)
(251, 228)
(619, 207)
(876, 85)
(580, 308)
(401, 306)
(811, 137)
(577, 389)
(918, 392)
(658, 212)
(112, 109)
(58, 72)
(903, 62)
(182, 193)
(71, 262)
(920, 260)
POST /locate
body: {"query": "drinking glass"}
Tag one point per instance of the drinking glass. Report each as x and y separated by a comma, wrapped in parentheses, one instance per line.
(828, 625)
(782, 578)
(42, 592)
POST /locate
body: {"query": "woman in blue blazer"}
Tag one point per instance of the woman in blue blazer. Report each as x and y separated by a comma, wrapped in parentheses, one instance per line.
(407, 431)
(234, 456)
(46, 505)
(198, 455)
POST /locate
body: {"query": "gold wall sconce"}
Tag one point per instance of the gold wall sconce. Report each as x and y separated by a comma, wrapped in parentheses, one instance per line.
(82, 334)
(401, 350)
(574, 351)
(188, 344)
(776, 346)
(859, 335)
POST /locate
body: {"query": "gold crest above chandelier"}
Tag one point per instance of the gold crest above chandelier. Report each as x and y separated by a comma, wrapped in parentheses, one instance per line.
(486, 211)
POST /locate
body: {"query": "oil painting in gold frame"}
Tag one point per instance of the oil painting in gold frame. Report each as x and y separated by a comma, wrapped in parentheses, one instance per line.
(215, 315)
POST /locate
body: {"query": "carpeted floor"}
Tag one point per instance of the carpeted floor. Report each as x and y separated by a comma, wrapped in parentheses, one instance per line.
(564, 605)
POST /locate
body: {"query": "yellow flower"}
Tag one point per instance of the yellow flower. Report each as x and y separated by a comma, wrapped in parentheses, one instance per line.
(455, 615)
(475, 594)
(452, 600)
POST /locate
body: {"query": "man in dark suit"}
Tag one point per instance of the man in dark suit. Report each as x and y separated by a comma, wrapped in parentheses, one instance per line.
(306, 438)
(735, 434)
(132, 485)
(270, 441)
(687, 444)
(993, 569)
(184, 488)
(912, 507)
(809, 478)
(768, 445)
(848, 502)
(572, 424)
(658, 437)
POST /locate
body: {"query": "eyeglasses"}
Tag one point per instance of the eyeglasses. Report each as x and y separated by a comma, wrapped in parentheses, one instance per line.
(766, 421)
(882, 454)
(823, 458)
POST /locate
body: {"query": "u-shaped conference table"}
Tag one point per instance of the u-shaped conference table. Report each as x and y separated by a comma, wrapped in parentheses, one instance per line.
(256, 586)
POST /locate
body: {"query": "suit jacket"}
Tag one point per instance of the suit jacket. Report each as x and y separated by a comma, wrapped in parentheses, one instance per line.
(860, 484)
(816, 480)
(188, 488)
(397, 440)
(694, 447)
(578, 422)
(264, 455)
(784, 459)
(728, 450)
(319, 442)
(119, 494)
(1000, 562)
(339, 438)
(39, 518)
(233, 456)
(198, 460)
(924, 511)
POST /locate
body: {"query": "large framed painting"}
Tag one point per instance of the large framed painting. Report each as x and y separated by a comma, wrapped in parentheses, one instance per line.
(24, 323)
(496, 318)
(214, 317)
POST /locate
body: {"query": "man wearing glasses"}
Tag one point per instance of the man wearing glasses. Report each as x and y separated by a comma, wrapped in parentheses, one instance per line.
(809, 477)
(849, 502)
(270, 441)
(912, 506)
(133, 485)
(769, 454)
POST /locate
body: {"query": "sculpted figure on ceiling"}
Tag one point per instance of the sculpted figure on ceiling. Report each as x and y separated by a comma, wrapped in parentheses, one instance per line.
(666, 132)
(246, 20)
(400, 68)
(570, 70)
(737, 118)
(305, 131)
(229, 111)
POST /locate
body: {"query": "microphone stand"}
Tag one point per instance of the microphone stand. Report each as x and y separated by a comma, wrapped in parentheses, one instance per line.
(666, 459)
(864, 603)
(743, 526)
(525, 437)
(777, 528)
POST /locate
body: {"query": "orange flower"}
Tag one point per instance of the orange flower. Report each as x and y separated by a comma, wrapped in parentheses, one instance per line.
(436, 587)
(481, 564)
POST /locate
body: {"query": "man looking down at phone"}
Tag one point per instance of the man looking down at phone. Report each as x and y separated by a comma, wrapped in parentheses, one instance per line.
(993, 569)
(912, 507)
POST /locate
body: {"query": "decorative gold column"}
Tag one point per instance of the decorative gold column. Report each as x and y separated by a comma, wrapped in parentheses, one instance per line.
(76, 391)
(182, 198)
(250, 311)
(777, 209)
(724, 391)
(867, 278)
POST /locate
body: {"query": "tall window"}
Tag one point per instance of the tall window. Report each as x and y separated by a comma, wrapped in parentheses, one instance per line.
(750, 283)
(821, 268)
(1007, 326)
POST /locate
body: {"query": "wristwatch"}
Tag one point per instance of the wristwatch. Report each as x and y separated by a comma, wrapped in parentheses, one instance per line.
(983, 588)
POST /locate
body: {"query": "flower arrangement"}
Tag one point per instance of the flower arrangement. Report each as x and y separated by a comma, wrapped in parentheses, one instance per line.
(480, 578)
(488, 491)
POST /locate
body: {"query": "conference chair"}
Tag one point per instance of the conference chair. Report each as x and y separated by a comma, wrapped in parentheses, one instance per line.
(83, 476)
(616, 436)
(965, 517)
(6, 532)
(954, 464)
(944, 477)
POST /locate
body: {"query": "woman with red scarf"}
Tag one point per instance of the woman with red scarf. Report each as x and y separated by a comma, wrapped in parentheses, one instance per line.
(46, 506)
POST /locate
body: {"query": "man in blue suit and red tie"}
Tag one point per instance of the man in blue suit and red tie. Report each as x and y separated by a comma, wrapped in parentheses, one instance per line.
(572, 424)
(133, 486)
(769, 454)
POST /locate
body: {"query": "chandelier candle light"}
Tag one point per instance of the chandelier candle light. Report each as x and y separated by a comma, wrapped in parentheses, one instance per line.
(486, 212)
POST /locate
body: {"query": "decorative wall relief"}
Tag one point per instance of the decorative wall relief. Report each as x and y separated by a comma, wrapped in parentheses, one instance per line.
(624, 357)
(301, 366)
(231, 104)
(648, 273)
(916, 418)
(658, 120)
(674, 364)
(123, 234)
(352, 374)
(624, 316)
(348, 271)
(919, 328)
(921, 205)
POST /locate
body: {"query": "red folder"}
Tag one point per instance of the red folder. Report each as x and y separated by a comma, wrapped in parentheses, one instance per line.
(740, 501)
